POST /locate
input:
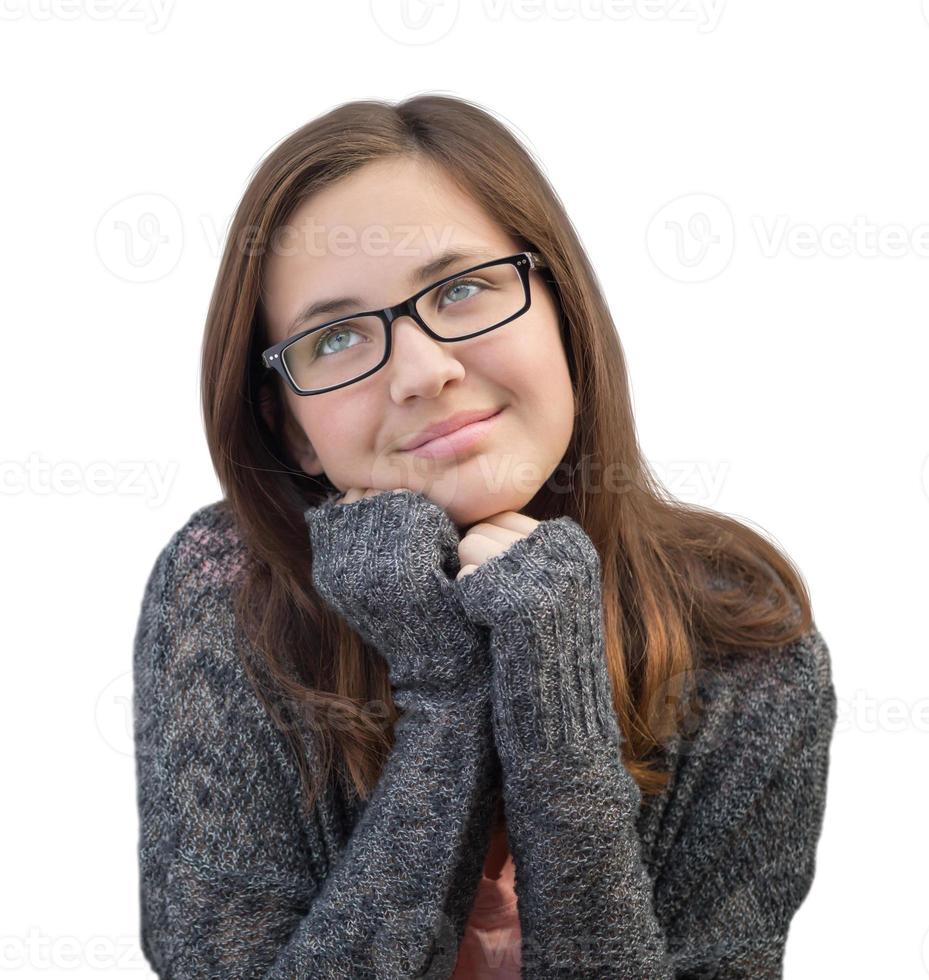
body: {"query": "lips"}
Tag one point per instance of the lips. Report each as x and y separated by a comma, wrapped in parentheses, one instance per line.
(446, 426)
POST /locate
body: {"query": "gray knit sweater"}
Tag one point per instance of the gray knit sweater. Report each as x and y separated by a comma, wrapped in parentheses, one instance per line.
(505, 692)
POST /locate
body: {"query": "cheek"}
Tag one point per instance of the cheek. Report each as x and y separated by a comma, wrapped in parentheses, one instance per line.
(338, 432)
(545, 377)
(552, 406)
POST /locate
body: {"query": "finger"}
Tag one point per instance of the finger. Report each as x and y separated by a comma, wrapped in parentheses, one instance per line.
(466, 570)
(513, 520)
(496, 532)
(477, 546)
(357, 493)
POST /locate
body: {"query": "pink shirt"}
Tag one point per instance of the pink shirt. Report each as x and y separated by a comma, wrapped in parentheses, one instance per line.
(491, 943)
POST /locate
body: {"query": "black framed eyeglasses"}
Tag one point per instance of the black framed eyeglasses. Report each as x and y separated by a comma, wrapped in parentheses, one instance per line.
(464, 305)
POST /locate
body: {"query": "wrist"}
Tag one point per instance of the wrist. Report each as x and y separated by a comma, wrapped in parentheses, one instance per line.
(382, 563)
(554, 566)
(542, 602)
(550, 687)
(468, 706)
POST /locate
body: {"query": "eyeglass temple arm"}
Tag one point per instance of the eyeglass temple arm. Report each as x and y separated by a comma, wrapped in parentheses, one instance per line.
(536, 261)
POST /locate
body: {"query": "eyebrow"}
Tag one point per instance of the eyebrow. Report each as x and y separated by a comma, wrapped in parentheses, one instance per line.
(433, 269)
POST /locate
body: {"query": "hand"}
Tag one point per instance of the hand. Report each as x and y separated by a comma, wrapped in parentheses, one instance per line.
(356, 493)
(382, 559)
(533, 567)
(491, 537)
(541, 597)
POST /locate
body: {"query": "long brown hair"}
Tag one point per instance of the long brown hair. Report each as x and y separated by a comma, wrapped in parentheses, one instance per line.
(681, 583)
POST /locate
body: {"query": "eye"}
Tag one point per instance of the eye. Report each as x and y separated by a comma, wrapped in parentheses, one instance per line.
(338, 331)
(455, 288)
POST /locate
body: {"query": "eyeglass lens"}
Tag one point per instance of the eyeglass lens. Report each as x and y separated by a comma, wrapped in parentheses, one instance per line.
(346, 350)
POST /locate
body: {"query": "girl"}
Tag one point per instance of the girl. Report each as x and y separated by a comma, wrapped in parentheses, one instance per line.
(446, 685)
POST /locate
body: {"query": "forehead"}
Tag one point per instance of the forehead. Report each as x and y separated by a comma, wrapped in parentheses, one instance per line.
(363, 236)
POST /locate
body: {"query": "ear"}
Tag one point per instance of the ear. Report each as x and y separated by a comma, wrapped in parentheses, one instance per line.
(280, 421)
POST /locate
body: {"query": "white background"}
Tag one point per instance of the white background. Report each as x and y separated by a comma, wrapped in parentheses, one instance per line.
(750, 182)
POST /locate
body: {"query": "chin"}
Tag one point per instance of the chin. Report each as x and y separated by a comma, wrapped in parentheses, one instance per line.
(466, 513)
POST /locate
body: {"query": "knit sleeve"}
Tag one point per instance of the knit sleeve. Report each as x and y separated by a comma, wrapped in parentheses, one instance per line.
(233, 881)
(733, 858)
(751, 792)
(736, 854)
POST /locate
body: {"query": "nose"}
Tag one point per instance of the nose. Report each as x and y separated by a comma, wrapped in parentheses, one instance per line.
(418, 364)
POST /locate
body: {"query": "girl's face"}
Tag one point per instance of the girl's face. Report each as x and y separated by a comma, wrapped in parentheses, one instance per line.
(363, 237)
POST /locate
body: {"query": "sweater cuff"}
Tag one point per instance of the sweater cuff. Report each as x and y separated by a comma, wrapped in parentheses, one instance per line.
(542, 601)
